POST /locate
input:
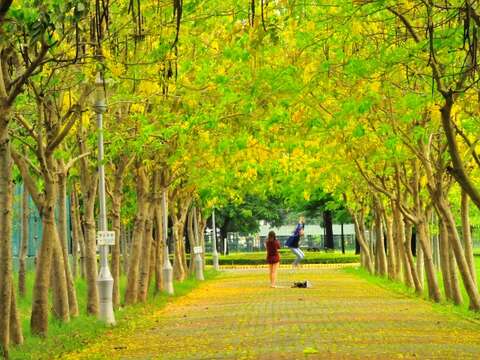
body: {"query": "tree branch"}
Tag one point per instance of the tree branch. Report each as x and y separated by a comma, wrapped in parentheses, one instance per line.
(74, 160)
(4, 6)
(71, 115)
(25, 124)
(22, 79)
(416, 38)
(458, 170)
(468, 142)
(27, 178)
(22, 140)
(371, 183)
(62, 134)
(407, 213)
(405, 22)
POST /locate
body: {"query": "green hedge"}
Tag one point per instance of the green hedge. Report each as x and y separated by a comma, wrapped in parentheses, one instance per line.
(286, 256)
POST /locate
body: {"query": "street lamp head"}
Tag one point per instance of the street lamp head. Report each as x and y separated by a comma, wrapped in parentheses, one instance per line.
(100, 104)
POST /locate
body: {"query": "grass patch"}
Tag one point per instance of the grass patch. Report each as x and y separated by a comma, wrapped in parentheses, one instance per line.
(311, 257)
(444, 306)
(85, 329)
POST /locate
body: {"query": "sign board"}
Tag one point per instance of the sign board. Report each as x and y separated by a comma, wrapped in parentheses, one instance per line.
(105, 237)
(197, 250)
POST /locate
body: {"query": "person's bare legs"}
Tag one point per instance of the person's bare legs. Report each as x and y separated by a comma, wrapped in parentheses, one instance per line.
(273, 274)
(275, 268)
(270, 273)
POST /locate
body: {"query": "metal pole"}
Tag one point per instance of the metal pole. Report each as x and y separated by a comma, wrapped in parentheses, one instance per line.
(167, 266)
(214, 250)
(198, 261)
(104, 280)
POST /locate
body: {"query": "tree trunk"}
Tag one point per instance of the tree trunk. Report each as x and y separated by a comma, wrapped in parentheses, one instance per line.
(125, 234)
(89, 195)
(50, 248)
(391, 254)
(22, 268)
(433, 289)
(411, 261)
(83, 250)
(380, 256)
(61, 309)
(16, 335)
(467, 236)
(363, 261)
(398, 245)
(435, 242)
(327, 221)
(363, 243)
(89, 185)
(131, 293)
(179, 268)
(160, 247)
(458, 168)
(6, 204)
(78, 232)
(46, 208)
(191, 238)
(146, 255)
(63, 237)
(153, 255)
(399, 225)
(9, 89)
(117, 197)
(116, 224)
(454, 240)
(371, 243)
(39, 318)
(151, 228)
(420, 261)
(444, 259)
(202, 221)
(75, 243)
(413, 241)
(456, 292)
(179, 217)
(342, 238)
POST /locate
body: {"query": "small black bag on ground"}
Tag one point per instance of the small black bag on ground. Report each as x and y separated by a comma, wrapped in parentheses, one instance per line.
(302, 284)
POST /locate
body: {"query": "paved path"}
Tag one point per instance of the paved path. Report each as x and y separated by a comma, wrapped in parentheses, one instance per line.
(343, 317)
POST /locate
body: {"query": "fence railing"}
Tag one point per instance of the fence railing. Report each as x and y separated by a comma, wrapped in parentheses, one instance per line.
(236, 243)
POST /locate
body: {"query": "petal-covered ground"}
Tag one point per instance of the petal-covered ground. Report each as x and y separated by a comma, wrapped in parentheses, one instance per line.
(238, 316)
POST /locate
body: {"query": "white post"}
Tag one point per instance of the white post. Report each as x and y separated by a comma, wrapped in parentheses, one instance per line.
(104, 280)
(198, 262)
(167, 270)
(214, 243)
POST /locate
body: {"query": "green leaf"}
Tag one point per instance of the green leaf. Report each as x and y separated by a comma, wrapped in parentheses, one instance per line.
(310, 350)
(359, 131)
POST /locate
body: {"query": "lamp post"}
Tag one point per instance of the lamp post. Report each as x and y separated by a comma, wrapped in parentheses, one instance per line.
(214, 250)
(104, 280)
(198, 261)
(167, 270)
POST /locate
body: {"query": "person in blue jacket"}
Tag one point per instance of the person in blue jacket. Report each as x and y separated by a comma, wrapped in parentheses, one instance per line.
(294, 240)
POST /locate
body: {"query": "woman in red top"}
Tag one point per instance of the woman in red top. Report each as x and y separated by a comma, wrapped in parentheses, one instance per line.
(273, 257)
